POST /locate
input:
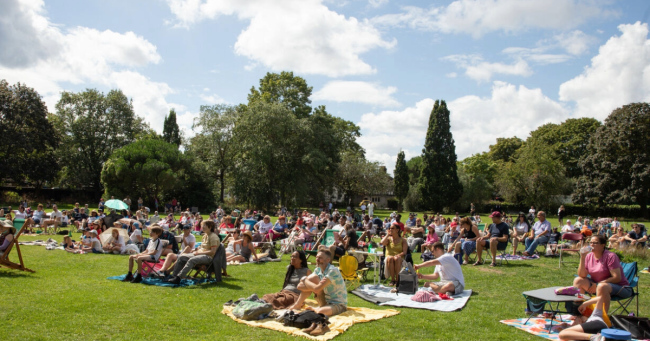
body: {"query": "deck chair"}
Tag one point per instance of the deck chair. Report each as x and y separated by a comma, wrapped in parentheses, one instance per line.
(287, 245)
(348, 266)
(325, 238)
(19, 224)
(569, 237)
(630, 272)
(205, 271)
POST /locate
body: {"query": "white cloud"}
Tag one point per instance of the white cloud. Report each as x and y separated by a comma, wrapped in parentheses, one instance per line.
(475, 122)
(537, 55)
(299, 35)
(377, 3)
(482, 71)
(212, 99)
(452, 75)
(576, 42)
(52, 56)
(478, 17)
(359, 92)
(618, 75)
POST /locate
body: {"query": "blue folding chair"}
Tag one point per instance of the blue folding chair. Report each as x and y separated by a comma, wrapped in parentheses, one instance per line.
(630, 272)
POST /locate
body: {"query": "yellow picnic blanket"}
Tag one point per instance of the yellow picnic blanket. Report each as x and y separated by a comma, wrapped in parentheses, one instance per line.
(338, 324)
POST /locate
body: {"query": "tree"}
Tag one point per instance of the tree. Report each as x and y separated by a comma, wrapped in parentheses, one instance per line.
(92, 126)
(569, 140)
(213, 144)
(535, 177)
(616, 166)
(415, 168)
(284, 88)
(146, 168)
(505, 148)
(480, 165)
(171, 132)
(28, 139)
(358, 176)
(439, 184)
(401, 174)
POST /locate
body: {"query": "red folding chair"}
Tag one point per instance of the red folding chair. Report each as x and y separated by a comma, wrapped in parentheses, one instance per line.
(577, 237)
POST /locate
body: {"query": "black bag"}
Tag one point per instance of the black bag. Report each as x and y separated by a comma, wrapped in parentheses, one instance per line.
(427, 256)
(407, 281)
(639, 327)
(302, 320)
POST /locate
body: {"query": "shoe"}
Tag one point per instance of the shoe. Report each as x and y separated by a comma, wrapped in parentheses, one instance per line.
(128, 278)
(253, 297)
(321, 328)
(310, 328)
(597, 337)
(478, 263)
(175, 280)
(229, 303)
(137, 279)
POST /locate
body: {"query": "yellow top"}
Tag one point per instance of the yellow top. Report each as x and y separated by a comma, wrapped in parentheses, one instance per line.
(393, 249)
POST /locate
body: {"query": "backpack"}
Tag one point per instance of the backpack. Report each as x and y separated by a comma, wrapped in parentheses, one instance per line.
(407, 281)
(303, 319)
(427, 256)
(251, 310)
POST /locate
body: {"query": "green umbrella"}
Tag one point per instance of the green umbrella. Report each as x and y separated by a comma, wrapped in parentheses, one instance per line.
(116, 204)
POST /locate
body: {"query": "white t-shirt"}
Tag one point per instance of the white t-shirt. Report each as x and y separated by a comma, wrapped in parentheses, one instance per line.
(155, 245)
(38, 214)
(567, 228)
(340, 229)
(56, 214)
(64, 219)
(521, 227)
(19, 215)
(120, 241)
(134, 234)
(449, 269)
(154, 219)
(96, 244)
(363, 207)
(189, 240)
(532, 211)
(264, 227)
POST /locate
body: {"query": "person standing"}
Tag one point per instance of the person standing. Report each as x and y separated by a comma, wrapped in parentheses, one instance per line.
(561, 213)
(127, 201)
(140, 202)
(472, 209)
(371, 209)
(330, 207)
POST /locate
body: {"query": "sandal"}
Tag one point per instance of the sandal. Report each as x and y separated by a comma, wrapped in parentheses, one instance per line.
(478, 263)
(493, 264)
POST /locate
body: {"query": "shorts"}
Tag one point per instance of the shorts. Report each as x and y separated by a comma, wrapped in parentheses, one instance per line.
(152, 258)
(458, 288)
(617, 290)
(37, 221)
(96, 251)
(64, 224)
(500, 245)
(593, 327)
(337, 308)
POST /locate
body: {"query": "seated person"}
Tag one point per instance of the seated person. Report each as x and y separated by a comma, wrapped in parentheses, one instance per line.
(92, 243)
(417, 239)
(520, 229)
(151, 254)
(351, 240)
(432, 237)
(226, 224)
(447, 271)
(7, 231)
(232, 248)
(280, 229)
(155, 218)
(203, 255)
(79, 218)
(54, 219)
(467, 243)
(308, 233)
(327, 284)
(116, 244)
(495, 239)
(69, 245)
(637, 237)
(136, 234)
(296, 270)
(187, 246)
(541, 231)
(616, 239)
(172, 244)
(589, 330)
(568, 227)
(600, 273)
(246, 249)
(396, 247)
(554, 239)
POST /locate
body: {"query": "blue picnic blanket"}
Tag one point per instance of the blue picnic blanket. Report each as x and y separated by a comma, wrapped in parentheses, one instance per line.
(160, 283)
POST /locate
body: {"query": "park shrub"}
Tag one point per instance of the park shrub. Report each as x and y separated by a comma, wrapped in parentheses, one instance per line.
(392, 204)
(11, 198)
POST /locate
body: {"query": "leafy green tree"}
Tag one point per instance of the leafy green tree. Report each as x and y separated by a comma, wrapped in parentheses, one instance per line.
(476, 189)
(535, 177)
(147, 168)
(171, 132)
(480, 165)
(569, 140)
(358, 176)
(439, 184)
(414, 167)
(92, 126)
(616, 165)
(28, 140)
(505, 148)
(285, 88)
(213, 143)
(401, 175)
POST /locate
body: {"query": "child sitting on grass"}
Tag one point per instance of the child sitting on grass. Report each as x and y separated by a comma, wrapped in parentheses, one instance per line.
(151, 254)
(69, 245)
(91, 243)
(116, 245)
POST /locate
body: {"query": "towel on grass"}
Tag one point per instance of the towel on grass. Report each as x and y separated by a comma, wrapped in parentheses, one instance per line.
(338, 324)
(381, 295)
(537, 326)
(517, 257)
(160, 283)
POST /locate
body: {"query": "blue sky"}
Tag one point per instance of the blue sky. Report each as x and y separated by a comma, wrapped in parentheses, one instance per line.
(503, 66)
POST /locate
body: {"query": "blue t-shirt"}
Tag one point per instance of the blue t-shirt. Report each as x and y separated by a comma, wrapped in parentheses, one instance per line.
(280, 228)
(499, 230)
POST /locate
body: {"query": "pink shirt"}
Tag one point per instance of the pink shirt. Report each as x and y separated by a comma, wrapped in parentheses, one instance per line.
(599, 269)
(432, 238)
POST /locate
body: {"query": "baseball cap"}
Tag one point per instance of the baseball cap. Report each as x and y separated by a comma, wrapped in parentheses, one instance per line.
(495, 214)
(186, 227)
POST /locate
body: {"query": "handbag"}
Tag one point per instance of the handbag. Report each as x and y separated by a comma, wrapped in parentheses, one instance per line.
(251, 310)
(639, 327)
(303, 319)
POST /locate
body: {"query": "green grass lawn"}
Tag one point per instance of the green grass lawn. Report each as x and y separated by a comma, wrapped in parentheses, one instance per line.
(69, 297)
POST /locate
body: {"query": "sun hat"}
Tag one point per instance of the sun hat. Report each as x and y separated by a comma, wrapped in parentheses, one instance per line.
(6, 223)
(247, 233)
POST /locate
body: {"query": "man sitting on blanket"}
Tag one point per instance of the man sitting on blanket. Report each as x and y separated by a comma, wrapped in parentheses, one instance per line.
(327, 285)
(452, 281)
(496, 238)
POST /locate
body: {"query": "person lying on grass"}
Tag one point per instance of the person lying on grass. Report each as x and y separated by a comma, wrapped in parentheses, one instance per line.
(589, 330)
(187, 246)
(296, 270)
(116, 245)
(327, 284)
(209, 245)
(246, 249)
(495, 239)
(151, 254)
(447, 271)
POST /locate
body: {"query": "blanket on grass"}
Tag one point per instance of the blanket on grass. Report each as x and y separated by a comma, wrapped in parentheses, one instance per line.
(645, 271)
(382, 296)
(338, 324)
(160, 283)
(517, 257)
(537, 326)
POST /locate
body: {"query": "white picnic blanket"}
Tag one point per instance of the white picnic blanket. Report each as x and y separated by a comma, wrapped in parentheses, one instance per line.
(403, 300)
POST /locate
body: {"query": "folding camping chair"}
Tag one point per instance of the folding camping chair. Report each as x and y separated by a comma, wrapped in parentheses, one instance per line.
(287, 245)
(569, 237)
(630, 272)
(205, 271)
(19, 224)
(352, 275)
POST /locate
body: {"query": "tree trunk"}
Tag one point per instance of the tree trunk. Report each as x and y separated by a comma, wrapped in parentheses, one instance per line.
(644, 206)
(222, 185)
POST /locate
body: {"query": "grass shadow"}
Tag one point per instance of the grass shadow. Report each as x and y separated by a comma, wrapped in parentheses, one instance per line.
(13, 274)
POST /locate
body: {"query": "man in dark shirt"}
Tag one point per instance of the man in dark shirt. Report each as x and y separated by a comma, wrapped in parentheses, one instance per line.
(496, 239)
(78, 218)
(637, 237)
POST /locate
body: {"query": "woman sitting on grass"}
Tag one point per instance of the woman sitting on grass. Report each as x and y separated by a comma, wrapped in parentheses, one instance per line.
(69, 245)
(395, 252)
(232, 246)
(7, 231)
(289, 294)
(116, 245)
(616, 238)
(247, 249)
(94, 245)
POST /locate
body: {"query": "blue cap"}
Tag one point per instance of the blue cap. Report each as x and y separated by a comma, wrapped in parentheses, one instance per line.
(616, 334)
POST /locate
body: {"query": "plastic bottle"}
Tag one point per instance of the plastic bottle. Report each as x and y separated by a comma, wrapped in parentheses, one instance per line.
(586, 249)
